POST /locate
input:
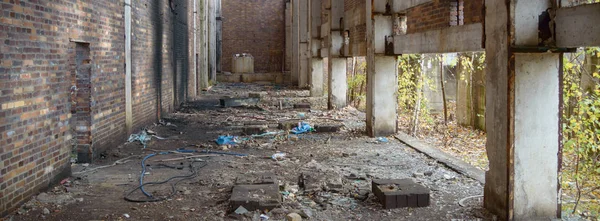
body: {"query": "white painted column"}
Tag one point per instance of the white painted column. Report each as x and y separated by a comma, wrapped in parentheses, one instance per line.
(337, 83)
(316, 77)
(337, 86)
(382, 95)
(522, 114)
(382, 76)
(128, 92)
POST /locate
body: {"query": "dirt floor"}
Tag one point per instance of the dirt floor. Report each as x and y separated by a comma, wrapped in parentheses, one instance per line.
(347, 156)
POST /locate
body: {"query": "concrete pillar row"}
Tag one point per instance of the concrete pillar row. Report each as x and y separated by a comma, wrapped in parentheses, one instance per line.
(522, 114)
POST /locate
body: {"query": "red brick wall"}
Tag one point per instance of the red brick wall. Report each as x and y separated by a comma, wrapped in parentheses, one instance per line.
(428, 16)
(256, 27)
(443, 13)
(37, 63)
(473, 11)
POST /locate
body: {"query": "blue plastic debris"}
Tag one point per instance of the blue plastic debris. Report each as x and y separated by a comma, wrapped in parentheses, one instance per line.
(143, 137)
(382, 140)
(226, 140)
(302, 128)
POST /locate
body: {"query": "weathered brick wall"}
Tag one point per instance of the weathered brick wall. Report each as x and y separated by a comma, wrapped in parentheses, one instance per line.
(473, 11)
(40, 114)
(438, 14)
(256, 27)
(35, 81)
(428, 16)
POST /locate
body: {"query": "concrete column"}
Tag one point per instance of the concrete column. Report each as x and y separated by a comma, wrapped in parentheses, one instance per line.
(316, 69)
(337, 83)
(288, 37)
(382, 95)
(305, 37)
(522, 114)
(295, 41)
(203, 73)
(382, 76)
(212, 40)
(316, 77)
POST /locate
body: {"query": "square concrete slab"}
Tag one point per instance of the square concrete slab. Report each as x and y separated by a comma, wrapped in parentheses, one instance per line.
(399, 193)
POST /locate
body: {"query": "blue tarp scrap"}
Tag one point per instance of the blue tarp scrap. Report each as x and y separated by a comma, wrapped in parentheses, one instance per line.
(226, 140)
(302, 128)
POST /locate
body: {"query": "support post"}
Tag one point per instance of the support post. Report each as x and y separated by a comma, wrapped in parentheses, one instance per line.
(337, 83)
(128, 92)
(212, 40)
(316, 65)
(337, 86)
(382, 75)
(305, 37)
(522, 114)
(295, 41)
(203, 73)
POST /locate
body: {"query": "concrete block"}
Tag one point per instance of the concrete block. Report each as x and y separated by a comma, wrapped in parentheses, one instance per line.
(287, 125)
(239, 102)
(302, 106)
(254, 129)
(400, 193)
(255, 197)
(328, 128)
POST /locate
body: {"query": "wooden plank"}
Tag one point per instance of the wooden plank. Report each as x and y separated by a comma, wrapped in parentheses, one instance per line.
(452, 39)
(578, 26)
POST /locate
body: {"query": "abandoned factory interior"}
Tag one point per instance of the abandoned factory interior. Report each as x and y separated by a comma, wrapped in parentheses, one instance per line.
(300, 110)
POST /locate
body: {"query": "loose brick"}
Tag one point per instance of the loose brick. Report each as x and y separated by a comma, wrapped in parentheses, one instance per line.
(400, 193)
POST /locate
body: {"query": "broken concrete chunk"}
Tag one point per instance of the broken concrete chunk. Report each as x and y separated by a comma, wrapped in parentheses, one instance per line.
(256, 197)
(241, 210)
(239, 102)
(328, 128)
(293, 217)
(287, 125)
(400, 193)
(254, 129)
(302, 106)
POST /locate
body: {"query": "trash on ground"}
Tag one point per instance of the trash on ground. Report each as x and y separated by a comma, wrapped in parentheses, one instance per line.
(142, 137)
(226, 140)
(382, 140)
(264, 217)
(241, 210)
(302, 127)
(278, 156)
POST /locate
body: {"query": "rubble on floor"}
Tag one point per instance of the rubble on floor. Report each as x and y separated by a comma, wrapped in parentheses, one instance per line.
(314, 176)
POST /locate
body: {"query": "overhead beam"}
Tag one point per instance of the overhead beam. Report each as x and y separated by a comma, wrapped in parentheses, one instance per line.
(453, 39)
(578, 26)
